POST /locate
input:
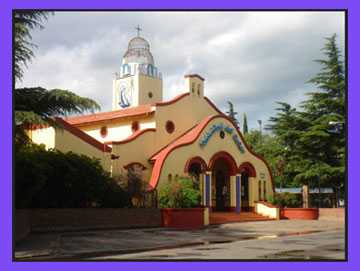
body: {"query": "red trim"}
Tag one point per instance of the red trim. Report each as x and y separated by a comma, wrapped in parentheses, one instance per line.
(188, 138)
(195, 160)
(134, 164)
(248, 168)
(112, 115)
(194, 75)
(35, 126)
(82, 135)
(227, 157)
(133, 136)
(174, 100)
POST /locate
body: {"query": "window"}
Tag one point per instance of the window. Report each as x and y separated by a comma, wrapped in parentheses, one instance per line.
(103, 131)
(260, 195)
(198, 89)
(222, 134)
(169, 177)
(150, 95)
(193, 87)
(135, 126)
(170, 126)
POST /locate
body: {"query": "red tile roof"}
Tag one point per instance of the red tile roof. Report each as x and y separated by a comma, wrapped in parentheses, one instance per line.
(128, 112)
(111, 115)
(133, 136)
(185, 139)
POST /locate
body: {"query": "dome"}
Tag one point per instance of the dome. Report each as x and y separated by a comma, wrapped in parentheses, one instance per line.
(138, 52)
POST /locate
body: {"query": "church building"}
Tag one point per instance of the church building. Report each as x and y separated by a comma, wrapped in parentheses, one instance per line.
(166, 139)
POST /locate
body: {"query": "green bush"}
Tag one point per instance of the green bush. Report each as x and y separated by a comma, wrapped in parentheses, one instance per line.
(179, 193)
(52, 179)
(285, 200)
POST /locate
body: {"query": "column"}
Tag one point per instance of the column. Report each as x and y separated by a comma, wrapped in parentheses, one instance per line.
(207, 189)
(238, 193)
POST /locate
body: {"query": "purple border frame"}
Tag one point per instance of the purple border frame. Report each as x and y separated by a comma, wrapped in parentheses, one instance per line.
(6, 262)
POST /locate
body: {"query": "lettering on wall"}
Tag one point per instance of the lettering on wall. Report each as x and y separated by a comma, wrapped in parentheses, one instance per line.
(221, 127)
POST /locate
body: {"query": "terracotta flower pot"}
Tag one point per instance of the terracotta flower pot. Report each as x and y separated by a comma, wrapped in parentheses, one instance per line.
(299, 213)
(183, 218)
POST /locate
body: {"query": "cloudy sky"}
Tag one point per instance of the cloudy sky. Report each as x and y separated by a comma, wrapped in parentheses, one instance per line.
(250, 58)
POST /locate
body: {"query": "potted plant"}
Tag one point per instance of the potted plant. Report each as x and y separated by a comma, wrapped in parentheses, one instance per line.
(179, 200)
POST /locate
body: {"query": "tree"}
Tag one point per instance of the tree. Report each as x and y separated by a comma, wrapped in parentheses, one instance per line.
(53, 179)
(324, 150)
(232, 114)
(245, 126)
(24, 22)
(314, 152)
(37, 105)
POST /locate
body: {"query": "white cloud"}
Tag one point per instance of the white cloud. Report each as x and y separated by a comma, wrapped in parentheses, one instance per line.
(251, 58)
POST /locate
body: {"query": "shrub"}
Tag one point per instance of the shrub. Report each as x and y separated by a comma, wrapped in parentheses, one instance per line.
(179, 193)
(285, 200)
(53, 179)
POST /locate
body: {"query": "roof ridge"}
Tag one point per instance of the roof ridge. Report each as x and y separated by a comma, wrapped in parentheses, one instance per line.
(82, 135)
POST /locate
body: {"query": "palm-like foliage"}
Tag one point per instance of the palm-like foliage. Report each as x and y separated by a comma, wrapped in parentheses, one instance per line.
(37, 105)
(23, 23)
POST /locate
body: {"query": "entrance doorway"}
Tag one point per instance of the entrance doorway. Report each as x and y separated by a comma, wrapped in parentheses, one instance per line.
(222, 166)
(222, 190)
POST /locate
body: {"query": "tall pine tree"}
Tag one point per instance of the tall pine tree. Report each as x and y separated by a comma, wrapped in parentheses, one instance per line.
(322, 146)
(245, 126)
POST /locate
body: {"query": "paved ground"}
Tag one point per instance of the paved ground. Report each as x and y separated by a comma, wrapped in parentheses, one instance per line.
(284, 239)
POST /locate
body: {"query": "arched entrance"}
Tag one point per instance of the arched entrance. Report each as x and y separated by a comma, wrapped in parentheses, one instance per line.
(222, 166)
(194, 167)
(246, 170)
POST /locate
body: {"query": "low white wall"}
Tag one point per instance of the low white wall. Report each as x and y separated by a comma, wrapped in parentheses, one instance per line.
(266, 209)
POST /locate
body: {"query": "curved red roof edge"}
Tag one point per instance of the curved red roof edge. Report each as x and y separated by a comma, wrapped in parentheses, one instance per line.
(174, 100)
(82, 135)
(214, 106)
(133, 136)
(187, 141)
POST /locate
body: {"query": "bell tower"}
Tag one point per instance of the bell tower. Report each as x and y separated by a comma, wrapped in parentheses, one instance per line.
(139, 80)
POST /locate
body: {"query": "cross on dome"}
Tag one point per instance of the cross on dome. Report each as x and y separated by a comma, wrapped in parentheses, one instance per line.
(138, 29)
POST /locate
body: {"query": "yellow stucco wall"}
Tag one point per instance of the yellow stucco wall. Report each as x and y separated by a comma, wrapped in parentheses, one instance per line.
(176, 160)
(65, 141)
(138, 150)
(44, 136)
(141, 85)
(185, 113)
(118, 129)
